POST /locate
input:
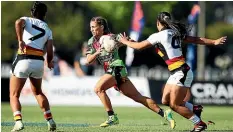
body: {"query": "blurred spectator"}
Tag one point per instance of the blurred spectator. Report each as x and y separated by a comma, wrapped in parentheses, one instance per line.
(56, 69)
(65, 68)
(79, 63)
(61, 67)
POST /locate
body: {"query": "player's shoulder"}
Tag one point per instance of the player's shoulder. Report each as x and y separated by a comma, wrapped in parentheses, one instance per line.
(167, 32)
(90, 41)
(31, 19)
(163, 34)
(24, 17)
(113, 34)
(28, 19)
(156, 35)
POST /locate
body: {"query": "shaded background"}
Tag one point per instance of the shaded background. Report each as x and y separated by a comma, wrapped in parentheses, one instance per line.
(69, 22)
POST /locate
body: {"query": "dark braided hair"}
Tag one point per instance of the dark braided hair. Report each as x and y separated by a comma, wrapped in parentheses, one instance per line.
(102, 22)
(181, 30)
(39, 10)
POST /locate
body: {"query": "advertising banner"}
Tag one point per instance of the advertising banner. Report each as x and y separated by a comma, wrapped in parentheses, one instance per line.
(219, 93)
(80, 91)
(205, 92)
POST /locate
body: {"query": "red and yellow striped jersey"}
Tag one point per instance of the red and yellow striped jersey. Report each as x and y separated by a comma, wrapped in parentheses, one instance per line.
(168, 47)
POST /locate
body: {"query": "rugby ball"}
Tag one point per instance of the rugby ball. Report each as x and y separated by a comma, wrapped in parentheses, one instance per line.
(107, 43)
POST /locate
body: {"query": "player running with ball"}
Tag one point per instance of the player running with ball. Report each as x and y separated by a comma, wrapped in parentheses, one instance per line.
(115, 74)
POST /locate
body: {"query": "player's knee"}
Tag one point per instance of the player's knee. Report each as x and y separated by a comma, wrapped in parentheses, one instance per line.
(173, 106)
(14, 95)
(165, 102)
(98, 90)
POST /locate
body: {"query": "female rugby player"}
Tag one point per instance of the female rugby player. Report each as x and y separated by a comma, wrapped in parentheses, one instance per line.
(33, 36)
(115, 75)
(168, 46)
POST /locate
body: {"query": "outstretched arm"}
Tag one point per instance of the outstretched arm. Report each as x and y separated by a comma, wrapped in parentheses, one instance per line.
(205, 41)
(119, 44)
(135, 45)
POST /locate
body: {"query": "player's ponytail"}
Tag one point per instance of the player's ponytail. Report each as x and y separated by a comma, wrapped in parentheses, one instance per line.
(180, 29)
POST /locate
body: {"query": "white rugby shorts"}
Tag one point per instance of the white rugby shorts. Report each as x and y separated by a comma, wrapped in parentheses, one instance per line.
(181, 78)
(28, 68)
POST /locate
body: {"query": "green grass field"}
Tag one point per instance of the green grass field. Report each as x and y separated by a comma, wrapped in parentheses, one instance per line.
(132, 119)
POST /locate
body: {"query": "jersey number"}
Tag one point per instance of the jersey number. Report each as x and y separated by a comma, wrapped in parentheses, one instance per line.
(175, 44)
(38, 35)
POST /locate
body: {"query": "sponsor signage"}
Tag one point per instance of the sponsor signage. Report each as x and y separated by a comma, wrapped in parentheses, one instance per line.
(220, 93)
(80, 91)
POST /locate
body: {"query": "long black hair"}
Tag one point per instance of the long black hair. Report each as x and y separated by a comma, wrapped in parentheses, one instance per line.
(39, 10)
(102, 22)
(181, 30)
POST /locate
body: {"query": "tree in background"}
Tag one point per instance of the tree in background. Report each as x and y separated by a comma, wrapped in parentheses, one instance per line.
(69, 21)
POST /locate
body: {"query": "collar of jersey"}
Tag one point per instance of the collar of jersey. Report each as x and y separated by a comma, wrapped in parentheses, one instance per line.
(164, 28)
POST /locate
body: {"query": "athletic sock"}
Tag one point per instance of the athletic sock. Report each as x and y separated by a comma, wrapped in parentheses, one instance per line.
(110, 113)
(189, 106)
(48, 115)
(17, 115)
(195, 119)
(161, 112)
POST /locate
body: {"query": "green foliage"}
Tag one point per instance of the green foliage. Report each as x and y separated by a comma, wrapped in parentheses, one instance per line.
(118, 13)
(219, 29)
(69, 21)
(151, 10)
(10, 12)
(67, 26)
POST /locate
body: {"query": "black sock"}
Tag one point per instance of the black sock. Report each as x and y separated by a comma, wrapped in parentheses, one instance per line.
(110, 113)
(48, 119)
(161, 113)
